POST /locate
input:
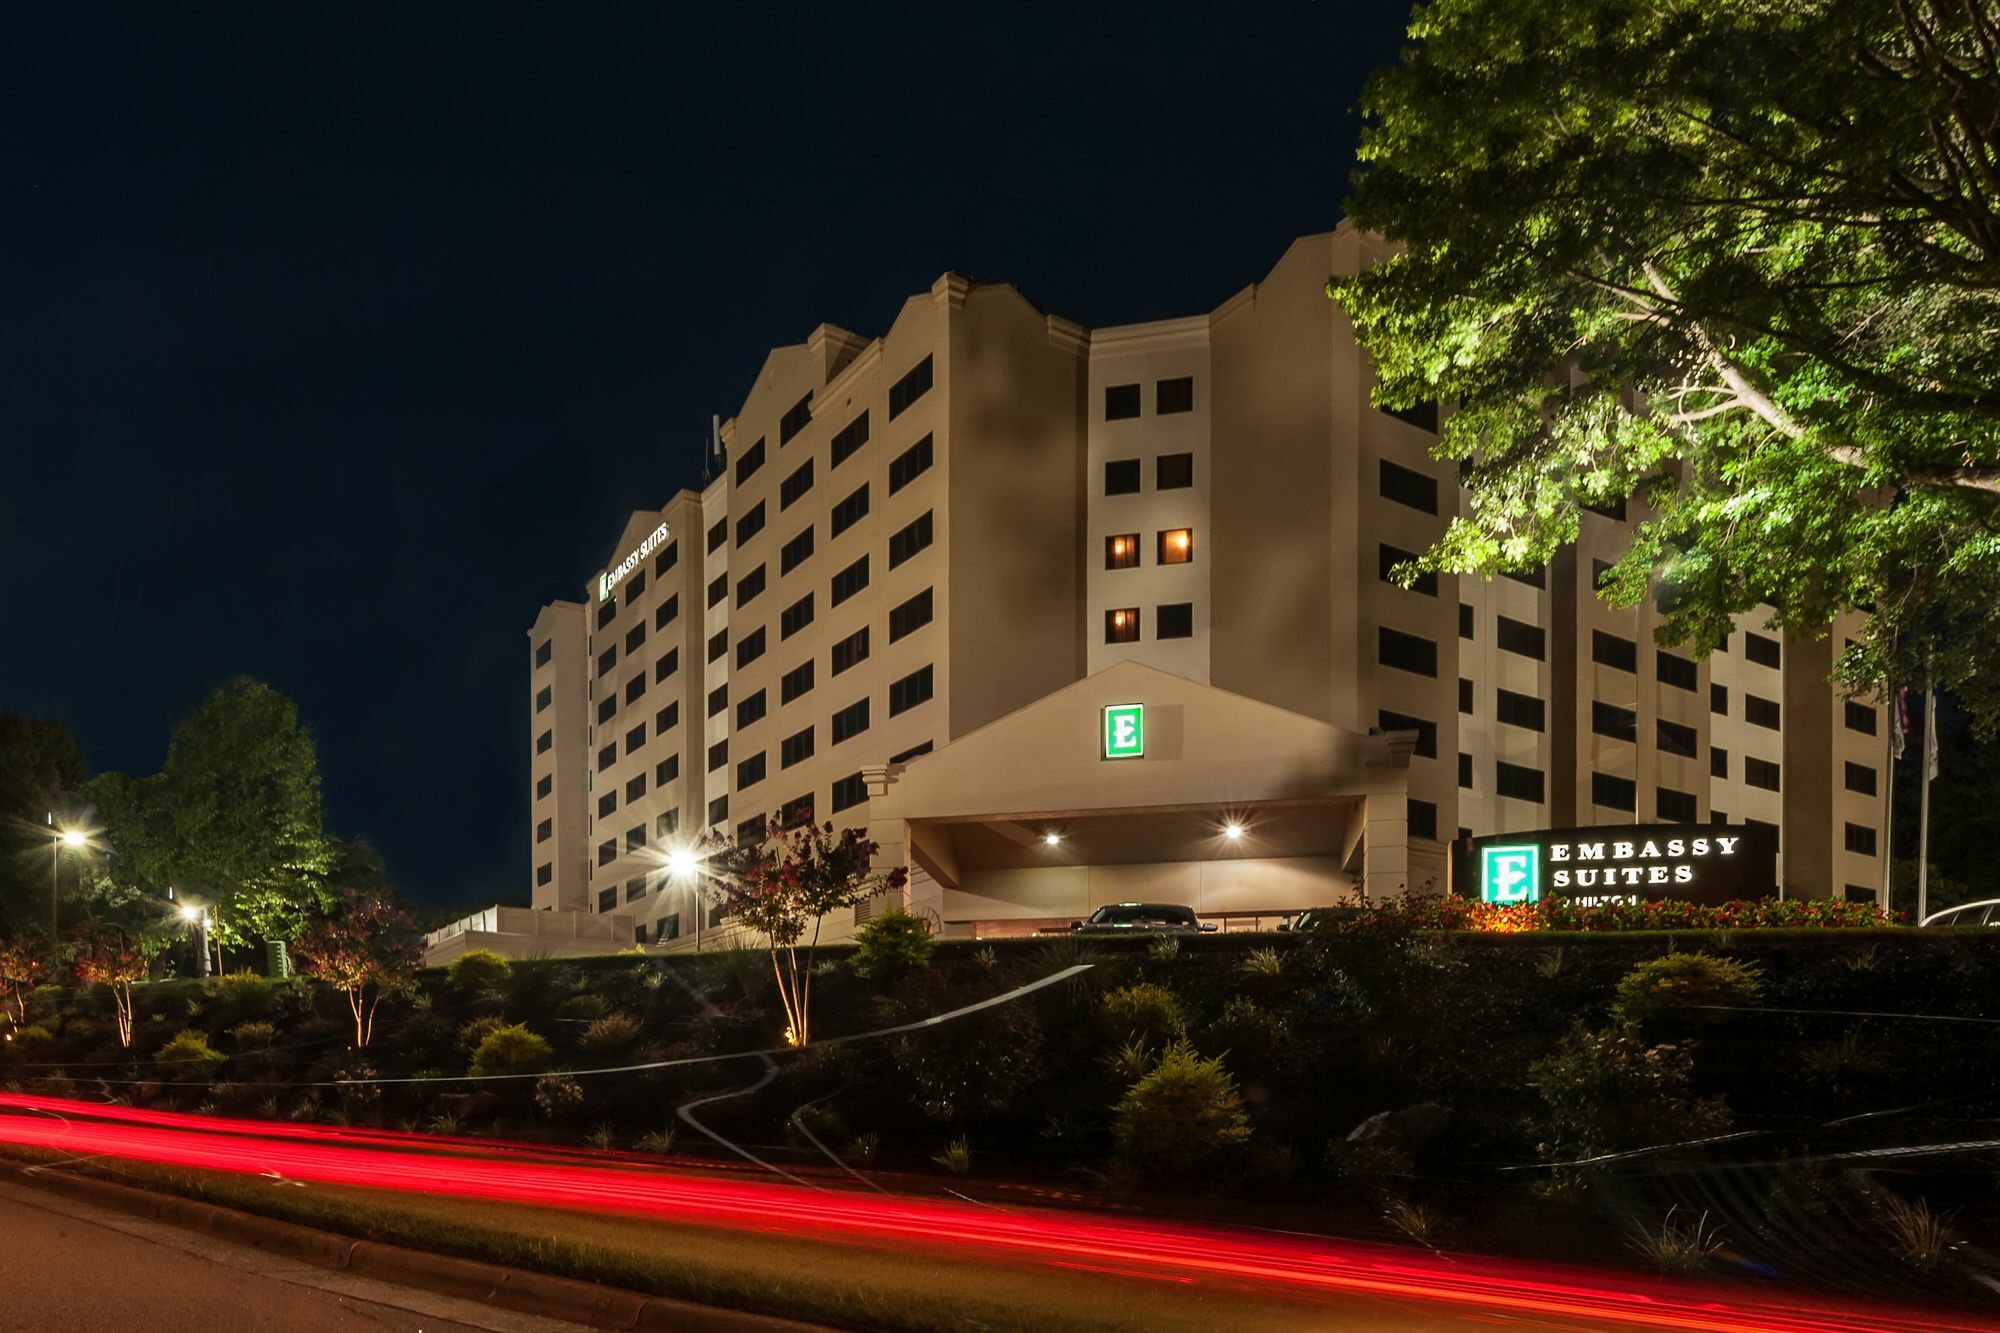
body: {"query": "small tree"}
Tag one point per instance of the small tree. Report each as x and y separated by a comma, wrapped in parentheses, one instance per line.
(365, 948)
(784, 885)
(1181, 1112)
(893, 944)
(107, 956)
(23, 966)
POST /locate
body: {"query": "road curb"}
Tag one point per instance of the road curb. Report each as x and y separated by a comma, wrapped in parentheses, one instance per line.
(516, 1289)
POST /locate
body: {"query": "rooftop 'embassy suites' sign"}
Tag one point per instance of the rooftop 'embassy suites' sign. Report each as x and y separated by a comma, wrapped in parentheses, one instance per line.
(1624, 862)
(609, 578)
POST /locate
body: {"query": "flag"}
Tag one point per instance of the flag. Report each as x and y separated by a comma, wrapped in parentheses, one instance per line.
(1899, 721)
(1930, 735)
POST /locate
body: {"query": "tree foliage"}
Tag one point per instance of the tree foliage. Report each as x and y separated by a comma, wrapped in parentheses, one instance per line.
(109, 956)
(364, 948)
(1736, 259)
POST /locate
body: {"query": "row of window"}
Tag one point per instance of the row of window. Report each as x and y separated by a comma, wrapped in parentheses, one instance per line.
(1122, 401)
(1171, 472)
(843, 444)
(1173, 620)
(1172, 546)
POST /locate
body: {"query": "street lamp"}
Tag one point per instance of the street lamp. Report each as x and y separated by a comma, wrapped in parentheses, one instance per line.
(197, 918)
(75, 840)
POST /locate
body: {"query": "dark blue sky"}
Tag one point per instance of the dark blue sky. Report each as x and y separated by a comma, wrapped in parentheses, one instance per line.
(335, 341)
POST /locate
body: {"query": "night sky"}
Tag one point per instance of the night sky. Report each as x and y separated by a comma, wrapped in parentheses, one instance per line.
(335, 341)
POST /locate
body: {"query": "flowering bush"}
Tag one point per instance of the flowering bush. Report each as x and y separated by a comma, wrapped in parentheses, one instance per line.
(1451, 912)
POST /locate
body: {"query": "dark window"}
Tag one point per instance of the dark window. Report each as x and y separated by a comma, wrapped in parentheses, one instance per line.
(1762, 773)
(910, 691)
(1762, 651)
(848, 582)
(544, 741)
(849, 792)
(1174, 620)
(911, 539)
(1121, 476)
(635, 637)
(1860, 838)
(850, 721)
(1409, 488)
(749, 710)
(667, 770)
(1391, 556)
(1464, 695)
(546, 785)
(666, 823)
(916, 382)
(851, 437)
(606, 614)
(795, 748)
(1677, 739)
(718, 590)
(750, 524)
(1612, 509)
(607, 707)
(1424, 416)
(636, 888)
(911, 616)
(849, 652)
(907, 466)
(752, 830)
(795, 617)
(1464, 769)
(1760, 712)
(1121, 625)
(607, 851)
(1610, 720)
(749, 586)
(849, 511)
(667, 559)
(1534, 578)
(635, 738)
(1718, 762)
(1174, 395)
(1520, 710)
(543, 698)
(750, 648)
(1427, 731)
(635, 688)
(545, 830)
(718, 645)
(1861, 718)
(607, 756)
(607, 899)
(1614, 793)
(1600, 574)
(1518, 782)
(1423, 818)
(667, 718)
(635, 787)
(1173, 472)
(668, 610)
(1676, 807)
(794, 487)
(1613, 651)
(795, 552)
(797, 811)
(1464, 620)
(607, 659)
(797, 681)
(718, 754)
(718, 810)
(796, 419)
(1121, 402)
(669, 663)
(1517, 636)
(717, 535)
(751, 771)
(718, 699)
(1121, 551)
(749, 461)
(544, 651)
(545, 873)
(1674, 670)
(634, 586)
(1861, 778)
(911, 753)
(1718, 700)
(1406, 652)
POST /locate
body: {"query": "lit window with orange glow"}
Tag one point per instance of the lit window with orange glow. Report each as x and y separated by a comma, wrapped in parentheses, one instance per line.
(1122, 625)
(1177, 546)
(1122, 551)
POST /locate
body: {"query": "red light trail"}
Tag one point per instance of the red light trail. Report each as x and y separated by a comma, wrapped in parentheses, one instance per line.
(526, 1174)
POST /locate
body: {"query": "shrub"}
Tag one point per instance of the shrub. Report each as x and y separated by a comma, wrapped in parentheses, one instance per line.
(893, 945)
(479, 1029)
(250, 993)
(976, 1065)
(511, 1049)
(188, 1058)
(1183, 1112)
(1264, 962)
(558, 1096)
(34, 1037)
(1604, 1092)
(583, 1008)
(1672, 989)
(254, 1036)
(613, 1032)
(479, 969)
(1145, 1011)
(956, 1157)
(1253, 1036)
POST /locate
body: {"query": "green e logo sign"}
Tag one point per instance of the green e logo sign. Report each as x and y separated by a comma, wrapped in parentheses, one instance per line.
(1510, 874)
(1124, 731)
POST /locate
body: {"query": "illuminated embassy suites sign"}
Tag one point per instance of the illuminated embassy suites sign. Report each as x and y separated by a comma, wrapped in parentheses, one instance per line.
(1623, 862)
(610, 577)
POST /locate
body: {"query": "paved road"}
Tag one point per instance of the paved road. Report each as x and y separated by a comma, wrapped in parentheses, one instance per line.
(72, 1267)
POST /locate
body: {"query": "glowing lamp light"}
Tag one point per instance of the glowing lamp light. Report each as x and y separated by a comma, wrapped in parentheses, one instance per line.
(73, 838)
(1117, 546)
(1052, 839)
(1232, 831)
(682, 863)
(1118, 618)
(190, 913)
(1181, 540)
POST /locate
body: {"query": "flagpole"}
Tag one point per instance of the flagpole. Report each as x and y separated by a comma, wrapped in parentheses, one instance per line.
(1924, 805)
(1889, 812)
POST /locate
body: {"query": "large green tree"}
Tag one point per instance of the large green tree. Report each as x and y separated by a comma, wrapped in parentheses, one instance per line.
(1739, 259)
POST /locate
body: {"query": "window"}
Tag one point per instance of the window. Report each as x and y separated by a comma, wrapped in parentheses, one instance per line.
(718, 699)
(718, 810)
(850, 721)
(1614, 793)
(796, 748)
(797, 811)
(1173, 472)
(718, 645)
(1427, 732)
(1861, 778)
(1423, 819)
(1676, 807)
(1424, 416)
(543, 698)
(1409, 488)
(1174, 395)
(607, 756)
(718, 534)
(749, 710)
(545, 873)
(635, 637)
(797, 681)
(1860, 838)
(849, 652)
(546, 785)
(1613, 651)
(910, 691)
(1677, 739)
(667, 718)
(1121, 402)
(545, 830)
(851, 437)
(1762, 651)
(544, 741)
(1620, 724)
(1760, 712)
(607, 899)
(1718, 762)
(749, 461)
(636, 888)
(718, 754)
(667, 770)
(607, 803)
(1518, 782)
(1600, 574)
(1391, 556)
(668, 610)
(635, 687)
(606, 613)
(749, 586)
(1121, 625)
(1520, 710)
(1674, 670)
(849, 792)
(1176, 546)
(1406, 652)
(794, 487)
(1717, 819)
(1464, 695)
(1534, 578)
(795, 552)
(1718, 700)
(1464, 620)
(1611, 509)
(666, 823)
(911, 753)
(909, 540)
(1517, 636)
(751, 771)
(1122, 551)
(907, 466)
(848, 582)
(796, 418)
(750, 524)
(635, 738)
(667, 559)
(1121, 476)
(750, 648)
(607, 852)
(751, 830)
(911, 616)
(1174, 620)
(718, 590)
(669, 663)
(1464, 770)
(1761, 773)
(607, 659)
(544, 652)
(635, 787)
(795, 617)
(916, 382)
(1861, 718)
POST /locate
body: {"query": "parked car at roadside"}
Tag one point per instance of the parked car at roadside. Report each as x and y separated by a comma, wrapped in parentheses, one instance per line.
(1985, 912)
(1315, 917)
(1142, 919)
